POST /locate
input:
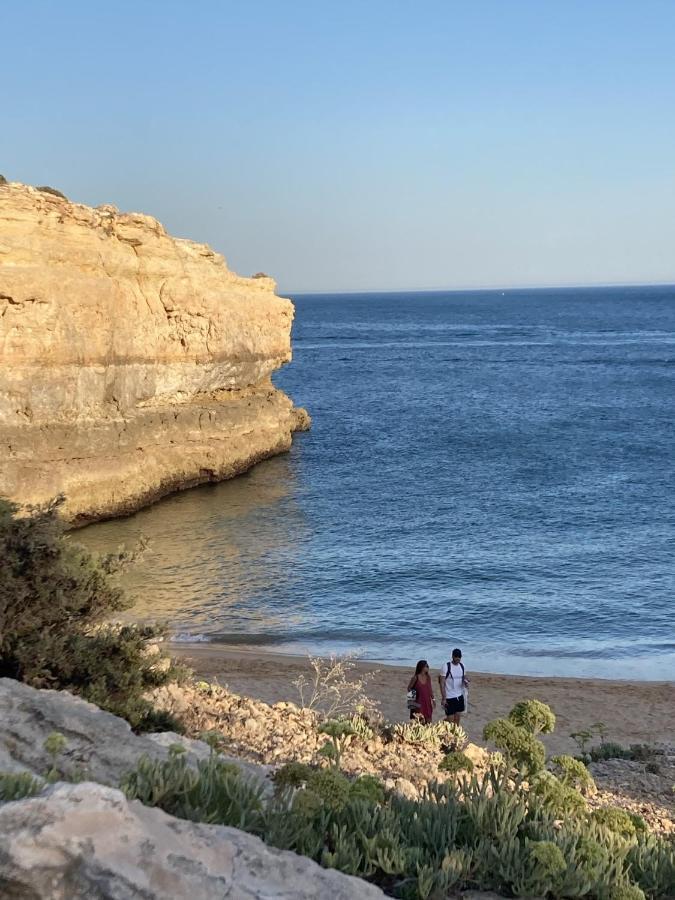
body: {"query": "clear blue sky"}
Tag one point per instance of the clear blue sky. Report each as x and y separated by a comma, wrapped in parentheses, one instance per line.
(362, 145)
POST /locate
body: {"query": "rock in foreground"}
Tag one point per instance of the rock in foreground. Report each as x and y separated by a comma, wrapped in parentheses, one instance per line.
(132, 363)
(76, 842)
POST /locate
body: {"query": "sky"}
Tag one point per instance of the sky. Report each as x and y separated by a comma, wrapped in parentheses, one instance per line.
(360, 146)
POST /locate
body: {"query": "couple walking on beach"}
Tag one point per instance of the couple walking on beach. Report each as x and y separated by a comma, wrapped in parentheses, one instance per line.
(452, 681)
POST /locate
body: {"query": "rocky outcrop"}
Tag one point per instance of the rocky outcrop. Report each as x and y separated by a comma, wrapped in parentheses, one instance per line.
(98, 745)
(87, 840)
(132, 363)
(80, 841)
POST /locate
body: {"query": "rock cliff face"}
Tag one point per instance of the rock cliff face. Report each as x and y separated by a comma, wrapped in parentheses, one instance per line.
(131, 363)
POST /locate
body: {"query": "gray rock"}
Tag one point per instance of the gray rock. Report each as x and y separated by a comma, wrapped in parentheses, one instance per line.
(199, 750)
(99, 746)
(86, 841)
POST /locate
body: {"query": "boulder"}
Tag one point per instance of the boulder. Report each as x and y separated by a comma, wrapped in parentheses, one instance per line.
(99, 746)
(86, 841)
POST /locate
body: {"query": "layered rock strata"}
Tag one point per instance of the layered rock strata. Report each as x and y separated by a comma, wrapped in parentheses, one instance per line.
(132, 363)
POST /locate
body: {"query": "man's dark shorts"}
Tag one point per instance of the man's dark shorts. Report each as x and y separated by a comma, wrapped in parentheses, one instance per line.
(454, 705)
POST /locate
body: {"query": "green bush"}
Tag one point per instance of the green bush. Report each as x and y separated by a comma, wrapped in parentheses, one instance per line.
(291, 775)
(18, 785)
(332, 787)
(368, 787)
(609, 750)
(211, 791)
(617, 820)
(456, 762)
(573, 773)
(54, 599)
(534, 716)
(628, 892)
(520, 747)
(491, 834)
(557, 796)
(50, 190)
(340, 733)
(651, 862)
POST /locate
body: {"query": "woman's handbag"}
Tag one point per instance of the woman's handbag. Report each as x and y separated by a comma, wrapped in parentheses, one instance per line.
(411, 699)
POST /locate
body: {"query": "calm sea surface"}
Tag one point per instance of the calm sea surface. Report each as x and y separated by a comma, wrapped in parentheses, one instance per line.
(487, 470)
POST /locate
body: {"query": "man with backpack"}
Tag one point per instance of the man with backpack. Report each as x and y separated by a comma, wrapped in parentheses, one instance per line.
(452, 681)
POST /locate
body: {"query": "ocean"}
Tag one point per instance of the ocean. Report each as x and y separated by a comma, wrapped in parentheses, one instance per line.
(490, 470)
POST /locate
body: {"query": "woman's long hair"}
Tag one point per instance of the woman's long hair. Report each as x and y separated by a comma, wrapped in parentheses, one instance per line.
(420, 665)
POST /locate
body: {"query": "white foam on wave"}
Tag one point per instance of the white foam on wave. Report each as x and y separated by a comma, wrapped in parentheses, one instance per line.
(185, 637)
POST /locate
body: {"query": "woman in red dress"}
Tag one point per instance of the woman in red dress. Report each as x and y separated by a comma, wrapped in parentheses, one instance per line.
(421, 684)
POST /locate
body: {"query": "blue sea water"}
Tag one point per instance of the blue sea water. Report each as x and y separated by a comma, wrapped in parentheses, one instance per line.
(490, 470)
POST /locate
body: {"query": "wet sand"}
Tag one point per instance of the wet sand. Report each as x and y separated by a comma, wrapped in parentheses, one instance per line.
(632, 713)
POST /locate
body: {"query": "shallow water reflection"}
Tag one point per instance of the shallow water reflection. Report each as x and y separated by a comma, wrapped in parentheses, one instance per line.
(220, 558)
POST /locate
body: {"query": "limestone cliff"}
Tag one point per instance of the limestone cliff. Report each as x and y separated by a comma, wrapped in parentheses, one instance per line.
(132, 363)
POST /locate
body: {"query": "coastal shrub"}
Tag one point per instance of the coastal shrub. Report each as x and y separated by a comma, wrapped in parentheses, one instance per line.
(54, 600)
(54, 745)
(50, 190)
(557, 796)
(336, 688)
(432, 734)
(643, 752)
(651, 862)
(628, 892)
(534, 716)
(456, 762)
(489, 833)
(573, 773)
(368, 787)
(18, 786)
(616, 820)
(542, 869)
(609, 750)
(520, 747)
(291, 775)
(3, 180)
(582, 739)
(332, 787)
(211, 791)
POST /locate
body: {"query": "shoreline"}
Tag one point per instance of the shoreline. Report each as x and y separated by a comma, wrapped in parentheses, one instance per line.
(632, 712)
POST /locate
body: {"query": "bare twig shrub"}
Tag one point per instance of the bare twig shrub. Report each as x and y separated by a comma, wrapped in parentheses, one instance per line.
(335, 687)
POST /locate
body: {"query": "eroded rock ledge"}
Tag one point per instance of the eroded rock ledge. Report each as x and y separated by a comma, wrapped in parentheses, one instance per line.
(132, 363)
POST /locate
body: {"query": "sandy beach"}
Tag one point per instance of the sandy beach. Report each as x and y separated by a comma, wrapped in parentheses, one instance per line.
(631, 712)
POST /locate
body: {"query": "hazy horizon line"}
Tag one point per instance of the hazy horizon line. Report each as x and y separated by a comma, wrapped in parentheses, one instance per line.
(488, 289)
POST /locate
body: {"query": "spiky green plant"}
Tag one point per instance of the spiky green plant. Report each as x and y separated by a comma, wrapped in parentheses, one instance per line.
(18, 785)
(211, 791)
(432, 734)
